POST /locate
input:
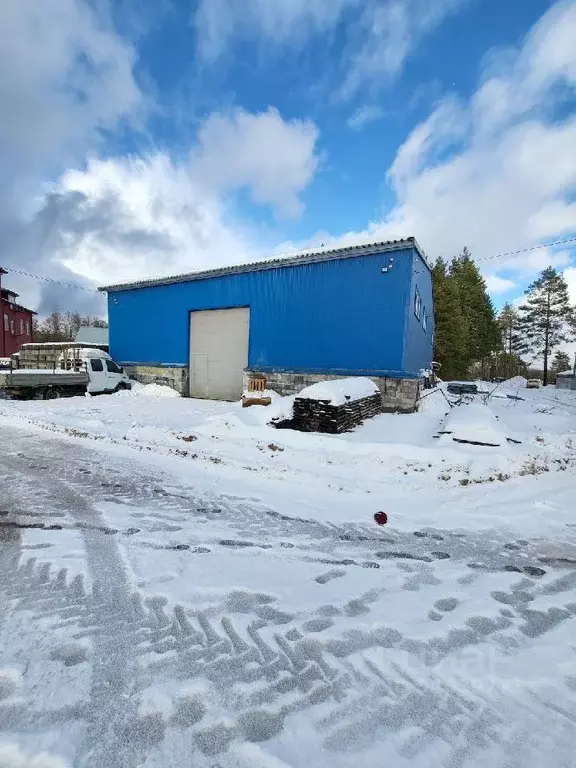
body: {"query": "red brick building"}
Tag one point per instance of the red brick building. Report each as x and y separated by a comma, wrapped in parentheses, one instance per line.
(15, 321)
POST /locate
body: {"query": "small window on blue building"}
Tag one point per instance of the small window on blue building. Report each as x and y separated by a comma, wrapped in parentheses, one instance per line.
(417, 305)
(424, 321)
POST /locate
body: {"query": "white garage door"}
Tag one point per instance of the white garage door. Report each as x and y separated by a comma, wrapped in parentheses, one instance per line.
(218, 352)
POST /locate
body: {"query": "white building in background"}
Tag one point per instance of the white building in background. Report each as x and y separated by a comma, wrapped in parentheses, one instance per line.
(566, 380)
(91, 335)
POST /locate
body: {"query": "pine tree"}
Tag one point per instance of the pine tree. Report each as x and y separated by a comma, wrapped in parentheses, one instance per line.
(507, 366)
(483, 335)
(547, 319)
(450, 331)
(509, 324)
(508, 363)
(561, 362)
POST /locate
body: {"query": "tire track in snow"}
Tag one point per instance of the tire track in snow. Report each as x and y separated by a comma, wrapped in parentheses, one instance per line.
(364, 694)
(112, 665)
(260, 674)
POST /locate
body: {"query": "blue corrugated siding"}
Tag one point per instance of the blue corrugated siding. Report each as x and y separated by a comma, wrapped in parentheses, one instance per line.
(418, 342)
(329, 316)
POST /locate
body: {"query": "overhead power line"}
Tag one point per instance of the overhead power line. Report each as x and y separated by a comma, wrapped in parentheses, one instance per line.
(566, 241)
(50, 280)
(481, 258)
(526, 250)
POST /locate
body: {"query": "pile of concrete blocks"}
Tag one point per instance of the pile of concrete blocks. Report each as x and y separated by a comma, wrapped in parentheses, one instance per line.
(49, 356)
(38, 356)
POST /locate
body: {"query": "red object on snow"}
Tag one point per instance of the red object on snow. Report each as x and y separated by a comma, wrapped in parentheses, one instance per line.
(381, 518)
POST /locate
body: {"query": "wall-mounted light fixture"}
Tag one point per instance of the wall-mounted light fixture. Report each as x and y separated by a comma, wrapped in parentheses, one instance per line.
(390, 264)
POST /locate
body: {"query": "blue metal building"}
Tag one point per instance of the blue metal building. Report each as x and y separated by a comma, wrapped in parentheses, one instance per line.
(360, 310)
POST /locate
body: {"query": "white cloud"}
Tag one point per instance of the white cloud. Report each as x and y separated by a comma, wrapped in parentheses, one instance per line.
(364, 115)
(64, 75)
(446, 125)
(497, 173)
(570, 277)
(129, 218)
(386, 34)
(281, 21)
(275, 159)
(378, 35)
(499, 284)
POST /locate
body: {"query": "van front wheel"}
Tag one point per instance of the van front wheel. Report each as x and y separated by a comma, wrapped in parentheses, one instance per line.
(52, 393)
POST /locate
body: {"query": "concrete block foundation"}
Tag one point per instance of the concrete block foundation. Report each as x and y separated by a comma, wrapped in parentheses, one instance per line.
(177, 378)
(399, 395)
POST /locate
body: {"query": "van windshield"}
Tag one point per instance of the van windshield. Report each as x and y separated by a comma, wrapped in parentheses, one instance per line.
(112, 367)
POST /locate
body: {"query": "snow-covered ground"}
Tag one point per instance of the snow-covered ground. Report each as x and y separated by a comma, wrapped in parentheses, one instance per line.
(181, 583)
(394, 463)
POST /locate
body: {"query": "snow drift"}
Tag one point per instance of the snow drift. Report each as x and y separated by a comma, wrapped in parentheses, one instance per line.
(474, 423)
(339, 391)
(510, 386)
(149, 390)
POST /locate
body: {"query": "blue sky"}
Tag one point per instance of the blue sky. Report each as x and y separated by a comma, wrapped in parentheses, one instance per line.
(161, 136)
(301, 78)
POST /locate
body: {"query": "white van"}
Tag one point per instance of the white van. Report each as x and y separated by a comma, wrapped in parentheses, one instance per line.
(49, 372)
